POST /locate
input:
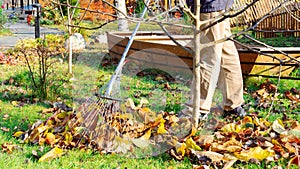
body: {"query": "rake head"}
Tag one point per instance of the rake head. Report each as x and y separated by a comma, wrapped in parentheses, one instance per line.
(112, 126)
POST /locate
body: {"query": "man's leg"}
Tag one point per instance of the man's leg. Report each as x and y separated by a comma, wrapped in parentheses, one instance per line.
(210, 60)
(230, 80)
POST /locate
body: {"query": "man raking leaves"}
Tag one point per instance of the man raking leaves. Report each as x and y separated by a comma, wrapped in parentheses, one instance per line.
(219, 63)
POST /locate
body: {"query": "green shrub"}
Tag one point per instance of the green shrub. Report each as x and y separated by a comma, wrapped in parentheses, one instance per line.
(42, 56)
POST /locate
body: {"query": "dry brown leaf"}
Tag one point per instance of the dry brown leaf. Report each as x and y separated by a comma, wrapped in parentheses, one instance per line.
(5, 129)
(204, 139)
(228, 164)
(261, 92)
(231, 145)
(200, 167)
(214, 156)
(50, 110)
(5, 116)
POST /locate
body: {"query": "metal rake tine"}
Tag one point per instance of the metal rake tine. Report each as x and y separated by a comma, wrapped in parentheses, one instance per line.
(94, 115)
(92, 106)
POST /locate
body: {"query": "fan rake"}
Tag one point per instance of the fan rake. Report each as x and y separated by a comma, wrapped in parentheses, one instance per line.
(109, 126)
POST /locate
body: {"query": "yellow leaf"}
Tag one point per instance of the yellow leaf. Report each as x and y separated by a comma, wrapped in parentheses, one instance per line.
(122, 144)
(161, 129)
(148, 111)
(18, 133)
(54, 153)
(193, 131)
(255, 153)
(62, 115)
(124, 116)
(147, 134)
(15, 103)
(231, 148)
(180, 148)
(68, 138)
(231, 128)
(190, 143)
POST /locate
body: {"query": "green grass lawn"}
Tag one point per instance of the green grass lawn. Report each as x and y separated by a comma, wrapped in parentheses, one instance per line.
(19, 118)
(89, 77)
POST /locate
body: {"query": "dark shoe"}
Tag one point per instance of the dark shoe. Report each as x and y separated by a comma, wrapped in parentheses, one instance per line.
(239, 111)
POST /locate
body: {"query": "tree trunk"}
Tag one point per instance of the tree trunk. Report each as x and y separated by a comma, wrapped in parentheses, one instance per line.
(70, 40)
(122, 22)
(196, 66)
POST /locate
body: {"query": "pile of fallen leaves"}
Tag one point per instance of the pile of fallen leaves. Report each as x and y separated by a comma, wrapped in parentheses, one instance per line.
(137, 132)
(250, 139)
(268, 93)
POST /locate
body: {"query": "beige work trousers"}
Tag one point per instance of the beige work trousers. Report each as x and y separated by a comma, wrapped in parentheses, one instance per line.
(220, 66)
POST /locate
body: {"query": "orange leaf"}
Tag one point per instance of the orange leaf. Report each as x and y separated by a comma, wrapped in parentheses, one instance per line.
(290, 96)
(50, 138)
(295, 160)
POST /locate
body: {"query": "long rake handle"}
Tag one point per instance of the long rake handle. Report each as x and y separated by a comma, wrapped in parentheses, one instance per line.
(122, 60)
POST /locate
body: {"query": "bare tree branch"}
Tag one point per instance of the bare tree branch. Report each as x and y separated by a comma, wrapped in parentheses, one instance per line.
(175, 41)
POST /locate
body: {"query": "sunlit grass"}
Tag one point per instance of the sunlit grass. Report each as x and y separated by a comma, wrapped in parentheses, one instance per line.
(5, 32)
(87, 71)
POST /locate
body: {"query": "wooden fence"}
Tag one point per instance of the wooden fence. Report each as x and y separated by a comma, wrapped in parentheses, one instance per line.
(284, 21)
(284, 24)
